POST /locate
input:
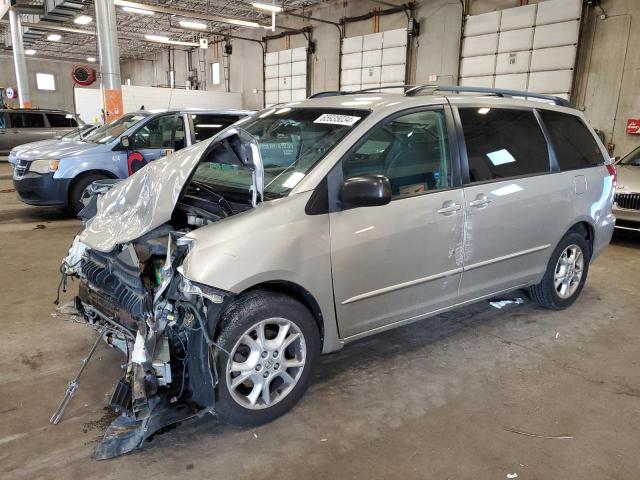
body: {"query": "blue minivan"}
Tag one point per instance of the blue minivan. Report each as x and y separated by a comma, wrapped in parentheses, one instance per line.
(58, 174)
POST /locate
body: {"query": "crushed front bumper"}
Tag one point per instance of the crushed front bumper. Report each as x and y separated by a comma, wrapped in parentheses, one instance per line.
(169, 374)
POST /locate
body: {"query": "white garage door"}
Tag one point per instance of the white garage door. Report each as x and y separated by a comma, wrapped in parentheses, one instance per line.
(530, 48)
(285, 76)
(374, 60)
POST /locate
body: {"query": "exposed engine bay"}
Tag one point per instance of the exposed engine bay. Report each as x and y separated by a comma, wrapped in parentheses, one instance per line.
(138, 298)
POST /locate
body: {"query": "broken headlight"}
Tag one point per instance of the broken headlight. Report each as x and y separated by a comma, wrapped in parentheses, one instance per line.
(190, 289)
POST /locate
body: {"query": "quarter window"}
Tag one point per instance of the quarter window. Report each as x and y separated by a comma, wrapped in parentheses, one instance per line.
(411, 151)
(206, 126)
(61, 120)
(572, 141)
(503, 143)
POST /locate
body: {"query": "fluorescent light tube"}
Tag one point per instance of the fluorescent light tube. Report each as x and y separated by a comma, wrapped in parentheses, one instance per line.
(267, 7)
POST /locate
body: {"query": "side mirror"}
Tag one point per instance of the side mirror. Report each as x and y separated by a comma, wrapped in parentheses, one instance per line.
(366, 191)
(125, 142)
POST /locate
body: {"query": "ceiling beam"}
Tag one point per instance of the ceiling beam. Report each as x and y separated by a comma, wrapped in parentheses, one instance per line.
(189, 14)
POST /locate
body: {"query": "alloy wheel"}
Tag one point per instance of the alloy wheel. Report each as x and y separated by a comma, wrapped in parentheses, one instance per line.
(266, 363)
(568, 271)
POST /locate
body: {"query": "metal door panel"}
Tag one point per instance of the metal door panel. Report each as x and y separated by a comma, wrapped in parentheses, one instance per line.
(395, 262)
(509, 240)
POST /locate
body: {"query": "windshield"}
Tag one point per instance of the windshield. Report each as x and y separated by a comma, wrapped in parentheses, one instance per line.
(632, 159)
(78, 134)
(108, 133)
(291, 140)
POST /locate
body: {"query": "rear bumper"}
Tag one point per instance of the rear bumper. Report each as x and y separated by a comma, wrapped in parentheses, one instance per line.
(43, 189)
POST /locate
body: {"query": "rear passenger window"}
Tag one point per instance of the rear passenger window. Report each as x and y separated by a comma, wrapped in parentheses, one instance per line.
(572, 141)
(411, 151)
(26, 120)
(503, 143)
(61, 120)
(206, 126)
(33, 120)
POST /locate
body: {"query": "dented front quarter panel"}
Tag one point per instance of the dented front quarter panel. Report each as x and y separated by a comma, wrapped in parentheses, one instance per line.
(276, 241)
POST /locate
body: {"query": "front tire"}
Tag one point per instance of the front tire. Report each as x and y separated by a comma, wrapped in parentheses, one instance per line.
(78, 187)
(566, 273)
(274, 343)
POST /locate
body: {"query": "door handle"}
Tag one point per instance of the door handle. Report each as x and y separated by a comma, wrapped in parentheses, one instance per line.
(481, 201)
(449, 208)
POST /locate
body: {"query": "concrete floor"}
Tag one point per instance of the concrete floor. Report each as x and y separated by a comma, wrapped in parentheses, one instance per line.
(436, 399)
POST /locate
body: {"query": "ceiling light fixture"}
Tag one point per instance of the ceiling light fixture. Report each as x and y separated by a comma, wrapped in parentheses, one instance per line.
(30, 52)
(137, 10)
(192, 25)
(83, 20)
(267, 7)
(91, 59)
(54, 37)
(162, 39)
(157, 38)
(148, 9)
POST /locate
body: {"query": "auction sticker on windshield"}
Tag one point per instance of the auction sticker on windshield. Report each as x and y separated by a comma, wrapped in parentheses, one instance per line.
(334, 119)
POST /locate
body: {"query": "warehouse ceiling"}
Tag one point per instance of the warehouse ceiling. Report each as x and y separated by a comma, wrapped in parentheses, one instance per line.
(133, 26)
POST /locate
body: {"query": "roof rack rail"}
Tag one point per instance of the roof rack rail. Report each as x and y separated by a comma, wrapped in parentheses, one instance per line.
(328, 93)
(387, 87)
(490, 91)
(337, 93)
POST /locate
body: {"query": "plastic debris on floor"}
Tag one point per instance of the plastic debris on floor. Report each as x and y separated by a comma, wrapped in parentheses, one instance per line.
(503, 303)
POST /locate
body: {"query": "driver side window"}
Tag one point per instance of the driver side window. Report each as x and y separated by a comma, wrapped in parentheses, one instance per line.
(410, 150)
(158, 133)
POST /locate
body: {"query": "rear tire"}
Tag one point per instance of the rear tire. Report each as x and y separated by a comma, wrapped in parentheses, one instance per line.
(566, 273)
(78, 187)
(274, 344)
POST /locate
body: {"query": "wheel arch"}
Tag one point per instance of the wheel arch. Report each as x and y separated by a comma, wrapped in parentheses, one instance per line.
(297, 292)
(82, 174)
(585, 229)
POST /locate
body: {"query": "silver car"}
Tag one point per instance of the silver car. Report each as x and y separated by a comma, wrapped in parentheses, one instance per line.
(627, 199)
(22, 126)
(224, 272)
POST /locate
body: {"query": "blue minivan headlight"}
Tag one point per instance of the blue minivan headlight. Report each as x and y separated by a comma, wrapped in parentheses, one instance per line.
(44, 166)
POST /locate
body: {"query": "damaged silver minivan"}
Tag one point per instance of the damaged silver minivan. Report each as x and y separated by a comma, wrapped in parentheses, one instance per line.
(223, 272)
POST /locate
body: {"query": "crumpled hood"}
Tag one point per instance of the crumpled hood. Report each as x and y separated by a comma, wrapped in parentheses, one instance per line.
(628, 178)
(57, 150)
(146, 200)
(142, 202)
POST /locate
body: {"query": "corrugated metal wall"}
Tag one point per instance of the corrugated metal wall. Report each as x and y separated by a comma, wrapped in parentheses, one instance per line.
(374, 60)
(530, 48)
(285, 76)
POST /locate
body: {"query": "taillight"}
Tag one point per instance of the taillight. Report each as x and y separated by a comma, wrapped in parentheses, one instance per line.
(613, 171)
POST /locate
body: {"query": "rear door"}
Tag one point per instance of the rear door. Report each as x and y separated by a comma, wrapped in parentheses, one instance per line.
(159, 137)
(512, 200)
(206, 125)
(27, 127)
(398, 262)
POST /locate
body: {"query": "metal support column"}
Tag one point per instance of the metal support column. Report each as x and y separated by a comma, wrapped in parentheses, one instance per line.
(109, 59)
(19, 60)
